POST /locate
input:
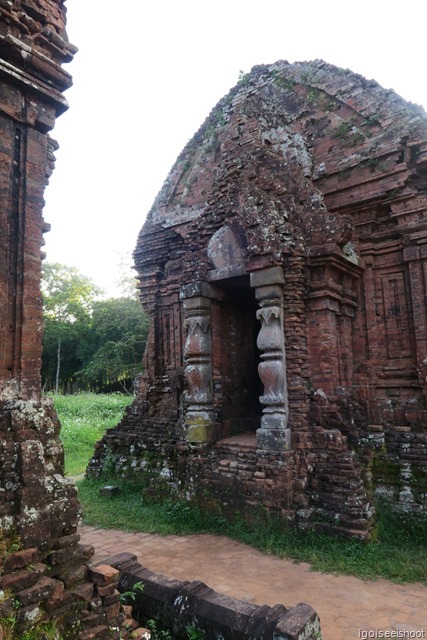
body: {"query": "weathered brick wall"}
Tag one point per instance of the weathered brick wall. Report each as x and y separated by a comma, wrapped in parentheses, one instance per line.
(33, 44)
(319, 484)
(43, 567)
(320, 172)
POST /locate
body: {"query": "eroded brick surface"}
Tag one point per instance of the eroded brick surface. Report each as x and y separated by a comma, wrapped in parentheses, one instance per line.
(40, 558)
(299, 209)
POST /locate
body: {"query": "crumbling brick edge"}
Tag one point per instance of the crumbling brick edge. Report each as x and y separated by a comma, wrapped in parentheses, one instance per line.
(178, 603)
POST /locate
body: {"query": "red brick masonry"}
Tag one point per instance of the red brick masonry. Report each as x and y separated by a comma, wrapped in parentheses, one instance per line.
(285, 259)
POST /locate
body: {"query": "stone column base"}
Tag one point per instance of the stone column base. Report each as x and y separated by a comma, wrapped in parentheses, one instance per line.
(200, 427)
(273, 439)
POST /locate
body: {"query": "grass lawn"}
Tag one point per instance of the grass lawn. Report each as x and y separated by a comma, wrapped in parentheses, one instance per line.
(84, 418)
(398, 551)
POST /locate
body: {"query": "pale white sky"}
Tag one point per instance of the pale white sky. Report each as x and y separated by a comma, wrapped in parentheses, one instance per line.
(148, 73)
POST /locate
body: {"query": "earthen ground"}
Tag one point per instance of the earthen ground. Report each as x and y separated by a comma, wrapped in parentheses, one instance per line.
(347, 606)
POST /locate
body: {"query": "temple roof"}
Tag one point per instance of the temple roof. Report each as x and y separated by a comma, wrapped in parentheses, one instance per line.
(287, 154)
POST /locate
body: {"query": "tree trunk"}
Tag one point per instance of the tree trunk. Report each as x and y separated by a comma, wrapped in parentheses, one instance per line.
(58, 365)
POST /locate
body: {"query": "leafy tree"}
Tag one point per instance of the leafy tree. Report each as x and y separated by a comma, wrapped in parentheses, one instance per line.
(115, 343)
(96, 342)
(68, 297)
(61, 347)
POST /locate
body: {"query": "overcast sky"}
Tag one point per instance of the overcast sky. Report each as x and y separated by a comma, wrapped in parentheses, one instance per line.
(149, 72)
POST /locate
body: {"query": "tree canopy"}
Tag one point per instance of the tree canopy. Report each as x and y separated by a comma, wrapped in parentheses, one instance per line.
(67, 294)
(88, 341)
(115, 343)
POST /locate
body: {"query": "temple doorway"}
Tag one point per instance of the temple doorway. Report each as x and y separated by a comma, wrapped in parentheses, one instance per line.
(235, 363)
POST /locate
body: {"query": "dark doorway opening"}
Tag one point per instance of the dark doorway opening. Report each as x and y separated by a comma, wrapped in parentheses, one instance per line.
(240, 409)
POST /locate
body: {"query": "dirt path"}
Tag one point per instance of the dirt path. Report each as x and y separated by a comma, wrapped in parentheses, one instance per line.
(346, 606)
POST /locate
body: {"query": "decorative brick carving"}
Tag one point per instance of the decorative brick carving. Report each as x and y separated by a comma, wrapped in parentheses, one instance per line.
(199, 415)
(273, 432)
(272, 369)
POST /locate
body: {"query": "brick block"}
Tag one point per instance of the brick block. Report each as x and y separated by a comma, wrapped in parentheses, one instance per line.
(41, 591)
(61, 556)
(83, 592)
(120, 560)
(71, 576)
(105, 591)
(94, 620)
(299, 621)
(112, 611)
(103, 575)
(85, 552)
(19, 580)
(97, 633)
(66, 541)
(112, 598)
(20, 559)
(60, 603)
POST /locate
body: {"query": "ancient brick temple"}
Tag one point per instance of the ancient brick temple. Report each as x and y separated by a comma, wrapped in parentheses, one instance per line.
(43, 576)
(284, 267)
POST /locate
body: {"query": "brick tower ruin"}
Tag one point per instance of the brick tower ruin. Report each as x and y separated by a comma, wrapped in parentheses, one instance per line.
(43, 575)
(284, 271)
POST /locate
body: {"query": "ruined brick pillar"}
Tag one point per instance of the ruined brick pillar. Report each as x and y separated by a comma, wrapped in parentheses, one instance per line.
(33, 45)
(331, 306)
(36, 502)
(42, 565)
(416, 257)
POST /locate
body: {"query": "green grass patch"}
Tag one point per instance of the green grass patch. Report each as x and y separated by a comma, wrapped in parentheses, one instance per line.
(130, 511)
(84, 418)
(397, 553)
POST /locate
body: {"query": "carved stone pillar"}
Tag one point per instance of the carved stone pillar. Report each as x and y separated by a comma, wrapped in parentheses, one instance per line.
(274, 433)
(199, 415)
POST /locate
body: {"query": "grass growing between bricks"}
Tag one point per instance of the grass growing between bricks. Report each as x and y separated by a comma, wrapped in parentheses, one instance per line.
(397, 552)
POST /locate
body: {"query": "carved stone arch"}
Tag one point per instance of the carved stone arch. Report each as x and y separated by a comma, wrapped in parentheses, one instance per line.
(226, 252)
